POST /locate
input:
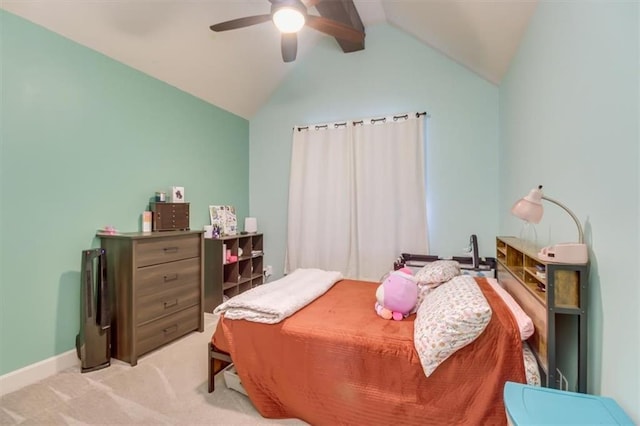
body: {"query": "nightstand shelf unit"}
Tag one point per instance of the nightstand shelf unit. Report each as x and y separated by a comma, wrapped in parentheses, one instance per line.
(555, 294)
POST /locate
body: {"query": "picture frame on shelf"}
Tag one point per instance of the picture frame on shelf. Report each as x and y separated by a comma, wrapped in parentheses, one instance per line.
(224, 219)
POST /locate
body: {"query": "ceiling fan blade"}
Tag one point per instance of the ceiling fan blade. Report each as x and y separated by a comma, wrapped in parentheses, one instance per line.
(310, 3)
(240, 22)
(289, 46)
(335, 28)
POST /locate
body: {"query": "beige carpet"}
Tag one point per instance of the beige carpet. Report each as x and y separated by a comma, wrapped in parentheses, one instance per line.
(167, 387)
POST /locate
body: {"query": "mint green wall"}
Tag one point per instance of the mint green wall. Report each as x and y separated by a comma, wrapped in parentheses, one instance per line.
(86, 141)
(394, 74)
(569, 120)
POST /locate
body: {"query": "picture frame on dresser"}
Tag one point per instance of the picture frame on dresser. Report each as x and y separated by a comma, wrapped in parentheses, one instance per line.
(177, 194)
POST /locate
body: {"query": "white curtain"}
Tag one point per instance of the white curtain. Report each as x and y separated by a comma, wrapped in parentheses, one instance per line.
(357, 196)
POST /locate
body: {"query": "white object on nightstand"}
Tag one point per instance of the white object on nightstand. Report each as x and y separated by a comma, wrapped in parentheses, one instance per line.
(250, 225)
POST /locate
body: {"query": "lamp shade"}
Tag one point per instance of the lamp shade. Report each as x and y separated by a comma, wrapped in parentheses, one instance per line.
(530, 210)
(530, 207)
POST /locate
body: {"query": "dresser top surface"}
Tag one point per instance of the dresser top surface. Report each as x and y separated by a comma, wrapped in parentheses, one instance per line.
(146, 235)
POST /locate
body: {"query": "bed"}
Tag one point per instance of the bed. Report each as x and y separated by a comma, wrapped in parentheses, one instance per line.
(336, 362)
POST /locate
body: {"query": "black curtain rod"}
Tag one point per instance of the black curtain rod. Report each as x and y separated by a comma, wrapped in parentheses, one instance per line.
(373, 121)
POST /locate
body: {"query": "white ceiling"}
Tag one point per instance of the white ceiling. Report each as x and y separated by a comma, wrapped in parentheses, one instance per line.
(238, 70)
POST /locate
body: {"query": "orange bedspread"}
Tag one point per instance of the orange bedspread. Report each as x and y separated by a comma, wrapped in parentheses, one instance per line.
(336, 362)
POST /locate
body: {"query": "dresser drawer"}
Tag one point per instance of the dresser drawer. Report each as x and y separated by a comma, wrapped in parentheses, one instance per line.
(153, 251)
(162, 277)
(166, 302)
(164, 330)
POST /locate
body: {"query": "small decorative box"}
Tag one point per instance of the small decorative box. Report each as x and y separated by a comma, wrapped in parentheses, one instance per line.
(170, 216)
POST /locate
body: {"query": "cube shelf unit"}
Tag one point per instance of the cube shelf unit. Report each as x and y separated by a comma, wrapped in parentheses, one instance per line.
(230, 278)
(555, 296)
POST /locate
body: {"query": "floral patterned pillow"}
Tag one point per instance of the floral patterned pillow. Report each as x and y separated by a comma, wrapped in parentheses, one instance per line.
(423, 292)
(438, 272)
(450, 317)
(531, 366)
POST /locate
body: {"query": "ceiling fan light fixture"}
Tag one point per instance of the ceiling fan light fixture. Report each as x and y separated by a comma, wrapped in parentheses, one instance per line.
(289, 19)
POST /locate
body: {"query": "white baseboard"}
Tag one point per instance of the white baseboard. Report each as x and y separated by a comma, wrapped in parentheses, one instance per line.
(33, 373)
(18, 379)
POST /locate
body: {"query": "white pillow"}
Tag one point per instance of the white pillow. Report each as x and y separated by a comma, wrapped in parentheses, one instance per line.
(450, 317)
(525, 323)
(438, 272)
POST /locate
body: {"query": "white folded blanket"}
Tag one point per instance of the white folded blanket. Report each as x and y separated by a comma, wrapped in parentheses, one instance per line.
(273, 302)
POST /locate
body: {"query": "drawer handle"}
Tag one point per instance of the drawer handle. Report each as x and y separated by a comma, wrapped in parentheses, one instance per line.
(170, 250)
(171, 329)
(171, 277)
(170, 304)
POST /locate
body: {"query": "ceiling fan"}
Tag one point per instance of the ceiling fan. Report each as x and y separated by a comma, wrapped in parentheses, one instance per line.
(290, 16)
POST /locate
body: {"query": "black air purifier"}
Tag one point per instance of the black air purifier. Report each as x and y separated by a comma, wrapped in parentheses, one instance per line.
(93, 343)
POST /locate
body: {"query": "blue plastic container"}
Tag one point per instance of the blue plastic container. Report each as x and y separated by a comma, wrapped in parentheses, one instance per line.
(532, 405)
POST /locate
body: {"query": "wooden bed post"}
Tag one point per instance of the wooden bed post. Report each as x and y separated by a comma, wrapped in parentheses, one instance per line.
(218, 361)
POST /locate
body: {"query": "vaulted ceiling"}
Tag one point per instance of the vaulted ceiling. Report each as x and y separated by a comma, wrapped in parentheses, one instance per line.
(171, 40)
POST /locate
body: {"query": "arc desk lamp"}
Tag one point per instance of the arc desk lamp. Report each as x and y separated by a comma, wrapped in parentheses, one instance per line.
(530, 209)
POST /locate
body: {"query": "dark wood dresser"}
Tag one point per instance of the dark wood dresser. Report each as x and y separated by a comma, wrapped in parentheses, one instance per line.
(158, 288)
